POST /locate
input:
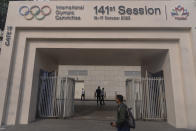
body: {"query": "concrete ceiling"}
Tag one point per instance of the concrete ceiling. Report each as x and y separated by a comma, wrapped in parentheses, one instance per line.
(102, 56)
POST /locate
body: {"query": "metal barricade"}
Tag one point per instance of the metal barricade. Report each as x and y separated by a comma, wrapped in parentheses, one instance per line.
(56, 97)
(146, 97)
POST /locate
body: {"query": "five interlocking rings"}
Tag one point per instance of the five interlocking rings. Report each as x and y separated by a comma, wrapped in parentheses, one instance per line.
(34, 12)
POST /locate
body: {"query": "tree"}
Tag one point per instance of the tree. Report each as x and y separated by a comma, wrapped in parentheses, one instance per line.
(3, 12)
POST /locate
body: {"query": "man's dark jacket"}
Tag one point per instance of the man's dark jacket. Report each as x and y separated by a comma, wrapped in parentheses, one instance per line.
(122, 115)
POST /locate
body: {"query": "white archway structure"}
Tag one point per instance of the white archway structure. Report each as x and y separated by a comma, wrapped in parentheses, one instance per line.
(20, 61)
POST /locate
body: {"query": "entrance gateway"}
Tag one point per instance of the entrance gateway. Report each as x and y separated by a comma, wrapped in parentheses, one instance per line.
(145, 37)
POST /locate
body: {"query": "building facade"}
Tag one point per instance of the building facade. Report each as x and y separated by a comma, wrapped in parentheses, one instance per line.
(99, 42)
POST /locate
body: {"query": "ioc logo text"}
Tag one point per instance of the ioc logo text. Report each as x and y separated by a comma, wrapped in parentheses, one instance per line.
(34, 12)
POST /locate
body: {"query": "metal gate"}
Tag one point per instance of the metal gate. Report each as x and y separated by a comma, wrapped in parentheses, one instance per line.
(56, 97)
(146, 97)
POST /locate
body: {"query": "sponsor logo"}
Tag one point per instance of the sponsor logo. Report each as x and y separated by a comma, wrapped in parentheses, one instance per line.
(34, 12)
(180, 13)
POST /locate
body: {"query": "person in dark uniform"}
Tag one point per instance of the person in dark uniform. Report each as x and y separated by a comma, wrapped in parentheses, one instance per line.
(98, 95)
(122, 115)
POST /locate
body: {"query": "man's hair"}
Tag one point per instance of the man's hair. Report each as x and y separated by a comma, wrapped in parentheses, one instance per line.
(119, 97)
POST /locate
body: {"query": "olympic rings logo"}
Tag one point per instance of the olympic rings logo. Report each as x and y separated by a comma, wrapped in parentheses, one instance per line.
(34, 12)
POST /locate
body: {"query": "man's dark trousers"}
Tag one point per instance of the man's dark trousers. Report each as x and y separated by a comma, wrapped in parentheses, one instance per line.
(99, 100)
(124, 127)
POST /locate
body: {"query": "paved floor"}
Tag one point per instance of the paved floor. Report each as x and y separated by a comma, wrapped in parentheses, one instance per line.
(89, 117)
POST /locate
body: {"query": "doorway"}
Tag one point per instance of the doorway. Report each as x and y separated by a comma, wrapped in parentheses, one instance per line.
(79, 85)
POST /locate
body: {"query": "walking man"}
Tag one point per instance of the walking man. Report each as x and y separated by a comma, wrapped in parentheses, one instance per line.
(83, 95)
(103, 94)
(98, 95)
(122, 115)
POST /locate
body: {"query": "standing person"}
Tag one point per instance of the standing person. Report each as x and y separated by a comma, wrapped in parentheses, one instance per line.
(83, 94)
(98, 95)
(103, 94)
(122, 115)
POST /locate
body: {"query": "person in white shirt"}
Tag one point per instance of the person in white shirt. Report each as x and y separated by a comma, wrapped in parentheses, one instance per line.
(83, 95)
(103, 95)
